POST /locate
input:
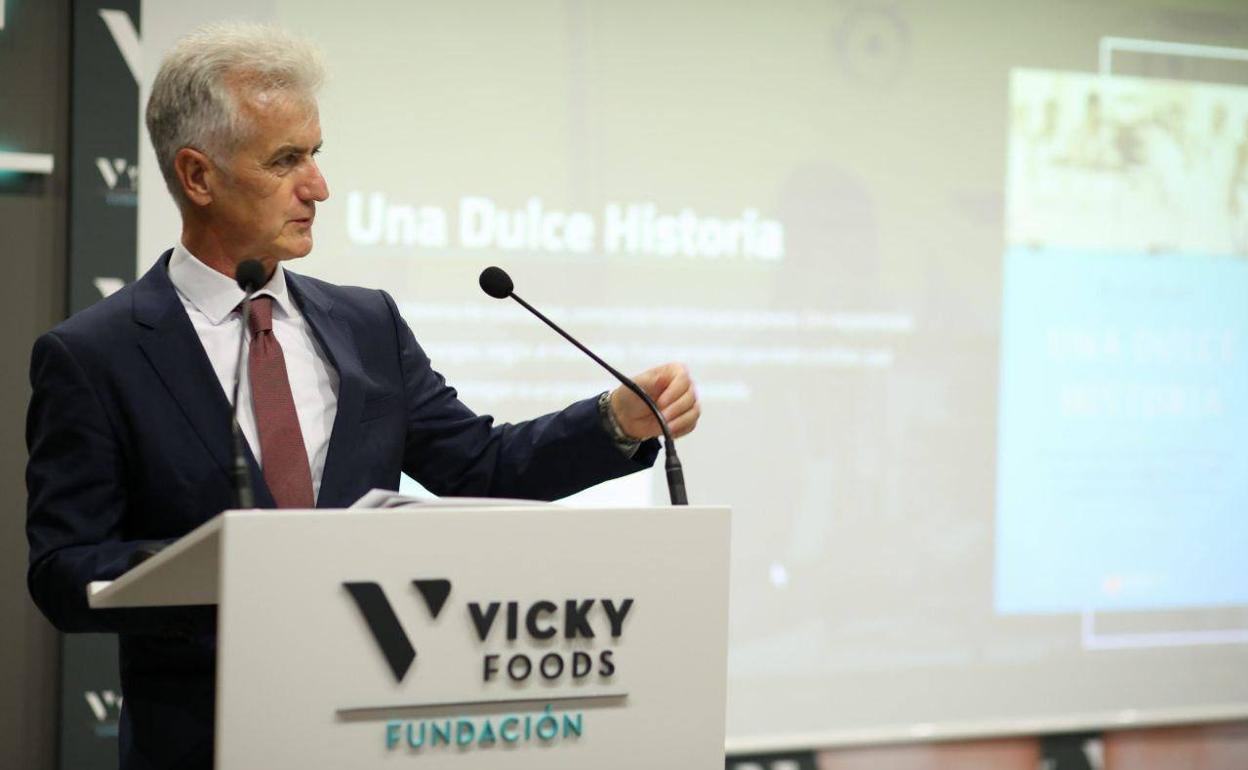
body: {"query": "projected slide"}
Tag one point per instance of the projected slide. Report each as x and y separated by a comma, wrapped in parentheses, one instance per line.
(1122, 464)
(970, 339)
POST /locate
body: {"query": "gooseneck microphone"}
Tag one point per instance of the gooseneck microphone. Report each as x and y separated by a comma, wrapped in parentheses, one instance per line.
(496, 283)
(250, 277)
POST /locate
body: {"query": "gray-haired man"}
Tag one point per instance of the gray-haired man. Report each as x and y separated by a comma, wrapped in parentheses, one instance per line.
(129, 423)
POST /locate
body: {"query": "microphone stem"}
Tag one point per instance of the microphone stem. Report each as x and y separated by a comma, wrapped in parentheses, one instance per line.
(675, 472)
(241, 474)
(244, 496)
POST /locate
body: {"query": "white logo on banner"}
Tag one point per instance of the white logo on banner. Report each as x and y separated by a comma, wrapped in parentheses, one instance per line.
(115, 170)
(127, 38)
(104, 705)
(108, 286)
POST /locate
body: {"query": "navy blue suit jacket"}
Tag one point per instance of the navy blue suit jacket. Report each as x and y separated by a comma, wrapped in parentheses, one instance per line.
(129, 438)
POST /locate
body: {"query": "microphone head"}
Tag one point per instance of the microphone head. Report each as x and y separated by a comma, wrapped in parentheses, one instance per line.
(495, 282)
(250, 275)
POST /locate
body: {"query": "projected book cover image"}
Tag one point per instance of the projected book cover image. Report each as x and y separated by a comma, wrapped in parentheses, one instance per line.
(1123, 471)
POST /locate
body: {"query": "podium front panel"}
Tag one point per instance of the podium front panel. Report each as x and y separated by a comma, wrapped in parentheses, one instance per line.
(519, 637)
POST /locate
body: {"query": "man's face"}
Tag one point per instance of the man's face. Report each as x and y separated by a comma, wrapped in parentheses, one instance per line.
(264, 202)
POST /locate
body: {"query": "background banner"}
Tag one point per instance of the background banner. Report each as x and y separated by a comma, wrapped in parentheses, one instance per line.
(103, 233)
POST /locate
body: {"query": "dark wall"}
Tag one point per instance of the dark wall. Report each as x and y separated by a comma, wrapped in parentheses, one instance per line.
(34, 108)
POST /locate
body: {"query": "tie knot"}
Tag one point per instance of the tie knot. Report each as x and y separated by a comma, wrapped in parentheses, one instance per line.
(261, 315)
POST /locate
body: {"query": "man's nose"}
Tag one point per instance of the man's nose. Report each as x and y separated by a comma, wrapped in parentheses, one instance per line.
(314, 187)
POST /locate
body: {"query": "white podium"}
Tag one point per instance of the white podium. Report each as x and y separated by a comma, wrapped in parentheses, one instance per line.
(517, 637)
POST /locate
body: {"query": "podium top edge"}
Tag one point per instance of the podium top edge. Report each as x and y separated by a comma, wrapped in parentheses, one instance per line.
(470, 509)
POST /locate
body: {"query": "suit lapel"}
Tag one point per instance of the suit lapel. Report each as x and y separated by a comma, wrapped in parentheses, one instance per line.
(173, 348)
(338, 342)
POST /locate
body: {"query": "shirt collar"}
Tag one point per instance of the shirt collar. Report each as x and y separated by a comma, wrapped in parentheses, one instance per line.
(217, 296)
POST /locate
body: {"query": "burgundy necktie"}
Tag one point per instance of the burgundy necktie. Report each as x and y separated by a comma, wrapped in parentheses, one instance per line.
(282, 453)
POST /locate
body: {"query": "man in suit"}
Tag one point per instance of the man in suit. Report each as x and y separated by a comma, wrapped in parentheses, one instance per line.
(129, 425)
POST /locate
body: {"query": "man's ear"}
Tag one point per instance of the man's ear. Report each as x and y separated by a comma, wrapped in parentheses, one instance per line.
(196, 173)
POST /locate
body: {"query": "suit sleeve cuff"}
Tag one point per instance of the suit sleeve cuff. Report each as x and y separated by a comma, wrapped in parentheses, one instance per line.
(627, 445)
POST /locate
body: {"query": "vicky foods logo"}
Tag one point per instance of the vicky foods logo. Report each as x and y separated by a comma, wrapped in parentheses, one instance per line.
(519, 627)
(537, 622)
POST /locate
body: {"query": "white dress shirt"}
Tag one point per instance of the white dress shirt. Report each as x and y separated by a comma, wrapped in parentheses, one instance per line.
(211, 300)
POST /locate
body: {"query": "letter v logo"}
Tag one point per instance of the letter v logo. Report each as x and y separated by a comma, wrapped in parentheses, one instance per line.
(435, 593)
(121, 27)
(384, 624)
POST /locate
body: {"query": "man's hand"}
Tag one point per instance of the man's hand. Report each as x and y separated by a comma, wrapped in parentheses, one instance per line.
(671, 389)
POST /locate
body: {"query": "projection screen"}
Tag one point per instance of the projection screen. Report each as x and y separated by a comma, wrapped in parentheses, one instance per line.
(964, 287)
